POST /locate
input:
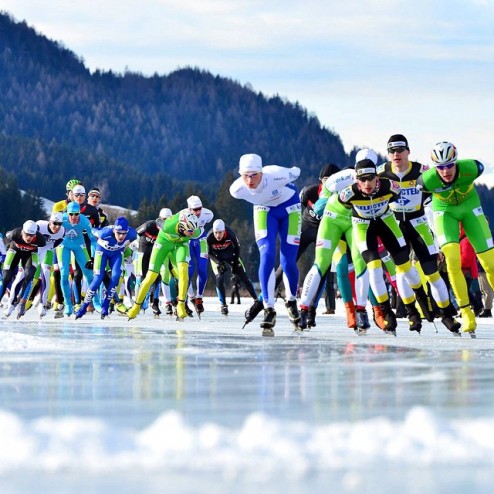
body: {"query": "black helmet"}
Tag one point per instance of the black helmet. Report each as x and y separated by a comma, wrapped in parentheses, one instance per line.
(328, 170)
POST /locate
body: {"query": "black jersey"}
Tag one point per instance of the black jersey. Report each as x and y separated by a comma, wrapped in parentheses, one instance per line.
(371, 206)
(227, 249)
(308, 197)
(410, 205)
(91, 213)
(148, 232)
(18, 244)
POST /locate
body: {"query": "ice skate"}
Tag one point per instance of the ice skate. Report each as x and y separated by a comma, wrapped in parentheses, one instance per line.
(351, 319)
(81, 311)
(252, 312)
(293, 314)
(269, 322)
(449, 320)
(362, 319)
(414, 319)
(311, 317)
(304, 315)
(468, 322)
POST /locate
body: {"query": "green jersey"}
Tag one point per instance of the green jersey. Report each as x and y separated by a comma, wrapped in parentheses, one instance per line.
(458, 191)
(169, 232)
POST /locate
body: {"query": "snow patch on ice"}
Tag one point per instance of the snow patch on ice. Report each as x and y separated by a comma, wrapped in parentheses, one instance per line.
(263, 446)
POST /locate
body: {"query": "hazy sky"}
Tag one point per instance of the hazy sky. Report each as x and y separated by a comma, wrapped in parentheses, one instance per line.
(366, 69)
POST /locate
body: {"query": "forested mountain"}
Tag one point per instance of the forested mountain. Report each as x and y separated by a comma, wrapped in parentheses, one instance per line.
(129, 133)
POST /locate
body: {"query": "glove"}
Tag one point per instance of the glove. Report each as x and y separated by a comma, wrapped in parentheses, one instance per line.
(235, 267)
(319, 206)
(222, 267)
(2, 258)
(89, 264)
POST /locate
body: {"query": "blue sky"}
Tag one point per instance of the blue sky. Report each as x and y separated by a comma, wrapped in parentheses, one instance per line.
(366, 69)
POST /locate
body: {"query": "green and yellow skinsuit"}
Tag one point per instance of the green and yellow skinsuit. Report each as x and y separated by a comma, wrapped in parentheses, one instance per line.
(169, 243)
(454, 203)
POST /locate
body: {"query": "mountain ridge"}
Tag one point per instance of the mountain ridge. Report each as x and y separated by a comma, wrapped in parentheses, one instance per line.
(143, 134)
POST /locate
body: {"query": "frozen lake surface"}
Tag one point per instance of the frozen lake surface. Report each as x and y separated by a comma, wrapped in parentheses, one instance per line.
(156, 405)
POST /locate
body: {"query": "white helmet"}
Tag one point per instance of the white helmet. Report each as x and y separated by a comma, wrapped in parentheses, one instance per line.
(30, 227)
(366, 154)
(188, 220)
(219, 226)
(194, 202)
(165, 213)
(444, 153)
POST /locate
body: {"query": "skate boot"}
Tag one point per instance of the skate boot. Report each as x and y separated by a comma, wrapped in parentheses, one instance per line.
(293, 314)
(389, 318)
(42, 310)
(156, 307)
(252, 312)
(304, 316)
(351, 318)
(105, 308)
(82, 310)
(21, 308)
(486, 313)
(121, 309)
(224, 310)
(198, 305)
(8, 310)
(424, 304)
(68, 310)
(468, 323)
(169, 309)
(378, 317)
(362, 320)
(133, 311)
(59, 311)
(188, 310)
(269, 321)
(311, 317)
(448, 319)
(414, 319)
(182, 310)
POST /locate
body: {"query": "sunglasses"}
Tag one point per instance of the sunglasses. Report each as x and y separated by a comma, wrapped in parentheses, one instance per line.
(79, 195)
(446, 167)
(56, 223)
(366, 178)
(95, 195)
(74, 214)
(197, 209)
(398, 149)
(121, 233)
(30, 235)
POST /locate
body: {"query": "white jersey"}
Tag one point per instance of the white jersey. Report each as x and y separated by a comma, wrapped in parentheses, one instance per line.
(51, 238)
(339, 181)
(271, 191)
(204, 218)
(3, 250)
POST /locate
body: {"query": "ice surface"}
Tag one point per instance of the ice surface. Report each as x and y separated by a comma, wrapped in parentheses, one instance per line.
(157, 405)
